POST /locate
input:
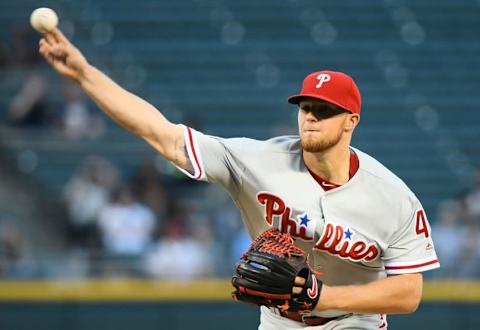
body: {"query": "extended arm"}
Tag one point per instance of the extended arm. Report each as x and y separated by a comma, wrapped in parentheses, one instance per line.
(127, 109)
(391, 295)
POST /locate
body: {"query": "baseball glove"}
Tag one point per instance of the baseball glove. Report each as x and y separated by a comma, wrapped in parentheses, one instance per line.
(266, 274)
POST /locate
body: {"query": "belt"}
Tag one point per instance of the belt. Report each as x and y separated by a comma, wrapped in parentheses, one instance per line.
(306, 319)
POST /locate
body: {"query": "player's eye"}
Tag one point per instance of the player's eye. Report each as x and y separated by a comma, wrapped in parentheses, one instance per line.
(306, 107)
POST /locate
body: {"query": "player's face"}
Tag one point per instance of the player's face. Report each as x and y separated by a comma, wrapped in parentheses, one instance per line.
(321, 125)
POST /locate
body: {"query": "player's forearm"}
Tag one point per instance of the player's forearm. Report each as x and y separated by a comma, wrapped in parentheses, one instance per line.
(392, 295)
(127, 109)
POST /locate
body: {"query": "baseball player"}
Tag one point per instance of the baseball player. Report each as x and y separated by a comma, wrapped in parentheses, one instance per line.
(360, 225)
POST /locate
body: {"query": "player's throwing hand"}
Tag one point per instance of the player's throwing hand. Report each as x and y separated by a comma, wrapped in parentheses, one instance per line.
(62, 55)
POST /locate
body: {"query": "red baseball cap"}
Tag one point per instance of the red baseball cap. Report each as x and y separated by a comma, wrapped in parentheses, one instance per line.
(333, 87)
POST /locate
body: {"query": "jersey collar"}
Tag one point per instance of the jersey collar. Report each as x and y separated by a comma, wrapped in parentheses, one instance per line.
(327, 185)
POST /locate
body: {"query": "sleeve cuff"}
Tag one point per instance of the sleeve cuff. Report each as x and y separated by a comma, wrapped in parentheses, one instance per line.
(194, 155)
(407, 267)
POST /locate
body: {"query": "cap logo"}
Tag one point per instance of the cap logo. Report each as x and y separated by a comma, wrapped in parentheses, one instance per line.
(322, 78)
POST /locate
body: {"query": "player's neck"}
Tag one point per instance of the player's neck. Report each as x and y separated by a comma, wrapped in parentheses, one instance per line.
(332, 164)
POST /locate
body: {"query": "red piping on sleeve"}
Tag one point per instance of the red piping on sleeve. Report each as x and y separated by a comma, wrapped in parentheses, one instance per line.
(411, 266)
(190, 138)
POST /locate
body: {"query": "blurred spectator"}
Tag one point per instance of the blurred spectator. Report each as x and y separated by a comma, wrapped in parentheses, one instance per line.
(126, 226)
(11, 249)
(468, 264)
(472, 199)
(3, 55)
(240, 244)
(29, 107)
(23, 51)
(85, 195)
(149, 188)
(449, 232)
(178, 256)
(228, 224)
(457, 235)
(79, 121)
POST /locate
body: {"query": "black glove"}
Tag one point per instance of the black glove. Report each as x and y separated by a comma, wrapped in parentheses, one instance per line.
(266, 274)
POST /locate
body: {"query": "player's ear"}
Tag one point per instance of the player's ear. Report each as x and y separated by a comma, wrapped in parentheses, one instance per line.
(351, 122)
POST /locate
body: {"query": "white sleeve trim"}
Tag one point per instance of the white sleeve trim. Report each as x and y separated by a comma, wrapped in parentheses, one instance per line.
(194, 155)
(407, 267)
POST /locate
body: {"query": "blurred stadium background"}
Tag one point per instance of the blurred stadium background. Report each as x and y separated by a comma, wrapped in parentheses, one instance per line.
(97, 232)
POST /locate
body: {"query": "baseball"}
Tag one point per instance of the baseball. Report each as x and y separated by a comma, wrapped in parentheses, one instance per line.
(43, 19)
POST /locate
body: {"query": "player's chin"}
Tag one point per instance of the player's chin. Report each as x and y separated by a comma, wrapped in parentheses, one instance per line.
(312, 145)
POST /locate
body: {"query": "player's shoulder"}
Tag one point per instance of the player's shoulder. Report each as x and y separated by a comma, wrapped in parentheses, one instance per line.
(283, 144)
(375, 172)
(279, 144)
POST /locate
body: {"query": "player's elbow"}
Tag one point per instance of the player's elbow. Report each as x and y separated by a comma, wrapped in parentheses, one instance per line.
(411, 300)
(411, 305)
(405, 306)
(410, 292)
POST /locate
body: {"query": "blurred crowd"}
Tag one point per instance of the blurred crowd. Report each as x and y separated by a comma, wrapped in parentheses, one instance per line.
(68, 113)
(456, 233)
(143, 226)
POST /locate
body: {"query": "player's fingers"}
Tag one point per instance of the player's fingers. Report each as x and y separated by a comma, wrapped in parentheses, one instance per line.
(44, 47)
(48, 56)
(299, 281)
(297, 290)
(59, 50)
(59, 36)
(50, 38)
(55, 49)
(50, 53)
(42, 43)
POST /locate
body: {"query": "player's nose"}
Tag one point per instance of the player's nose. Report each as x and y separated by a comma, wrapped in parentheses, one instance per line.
(311, 116)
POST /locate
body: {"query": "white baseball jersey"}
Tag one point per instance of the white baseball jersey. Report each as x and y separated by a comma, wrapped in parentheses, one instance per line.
(368, 228)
